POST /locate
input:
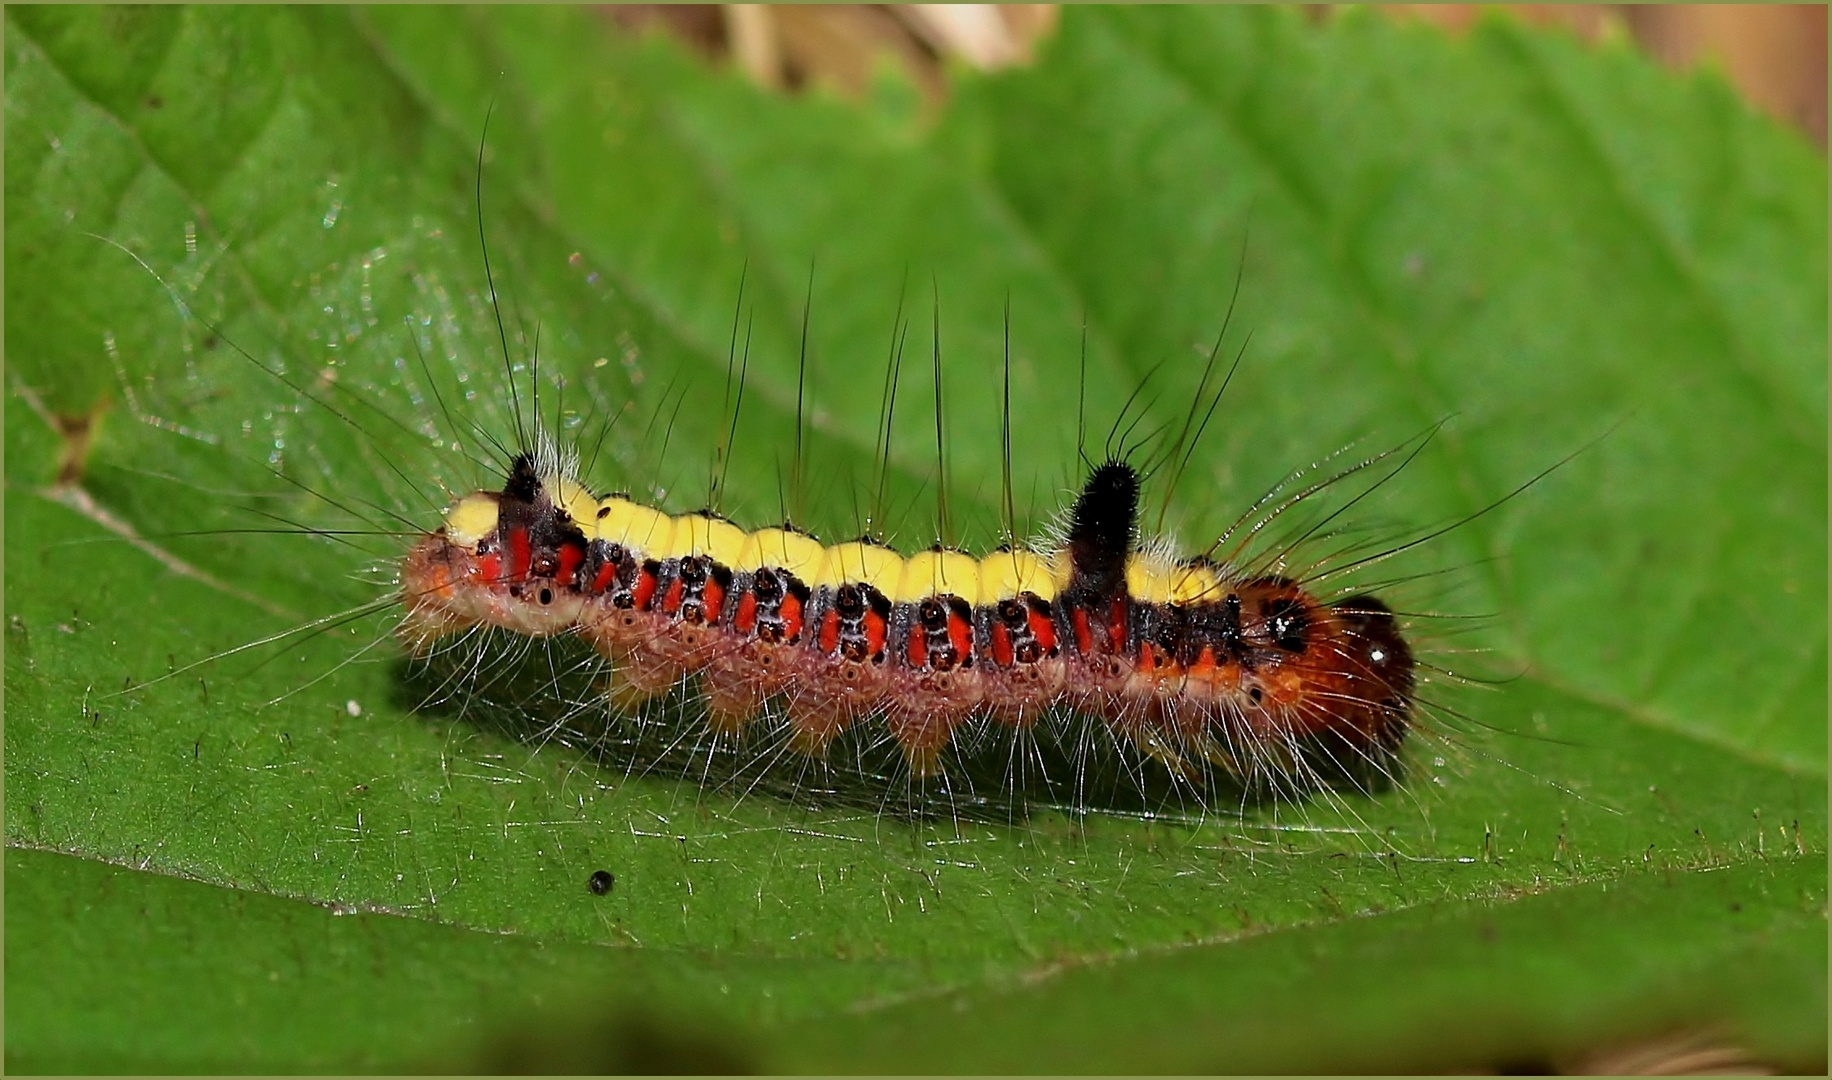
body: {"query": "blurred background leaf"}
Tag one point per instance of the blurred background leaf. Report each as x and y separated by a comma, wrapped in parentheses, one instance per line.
(272, 861)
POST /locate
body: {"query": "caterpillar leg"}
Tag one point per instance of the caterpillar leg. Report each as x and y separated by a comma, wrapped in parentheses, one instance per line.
(1018, 695)
(639, 679)
(737, 683)
(639, 671)
(831, 696)
(925, 709)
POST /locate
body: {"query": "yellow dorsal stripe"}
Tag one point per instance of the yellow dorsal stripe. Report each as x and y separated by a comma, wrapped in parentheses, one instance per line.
(651, 534)
(698, 534)
(799, 555)
(864, 564)
(641, 528)
(937, 573)
(1005, 574)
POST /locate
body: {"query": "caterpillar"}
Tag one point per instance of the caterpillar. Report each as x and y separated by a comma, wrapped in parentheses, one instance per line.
(1201, 665)
(1183, 659)
(403, 803)
(1216, 670)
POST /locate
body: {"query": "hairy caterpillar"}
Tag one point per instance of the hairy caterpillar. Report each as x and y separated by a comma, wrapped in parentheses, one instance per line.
(1204, 666)
(1213, 669)
(495, 835)
(1184, 659)
(1218, 670)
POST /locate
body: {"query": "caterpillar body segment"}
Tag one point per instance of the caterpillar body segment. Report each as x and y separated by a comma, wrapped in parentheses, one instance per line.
(1190, 662)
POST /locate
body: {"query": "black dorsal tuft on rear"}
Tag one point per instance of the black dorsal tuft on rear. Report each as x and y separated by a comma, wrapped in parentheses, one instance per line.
(1101, 527)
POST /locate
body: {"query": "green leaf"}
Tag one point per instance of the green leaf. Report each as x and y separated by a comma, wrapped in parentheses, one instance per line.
(1559, 249)
(288, 986)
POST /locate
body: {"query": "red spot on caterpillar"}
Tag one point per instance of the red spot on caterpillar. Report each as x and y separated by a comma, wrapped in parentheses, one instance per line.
(1044, 631)
(490, 568)
(571, 555)
(874, 633)
(960, 635)
(1116, 625)
(713, 601)
(671, 602)
(918, 649)
(645, 589)
(830, 632)
(1001, 645)
(745, 619)
(792, 617)
(606, 574)
(1084, 640)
